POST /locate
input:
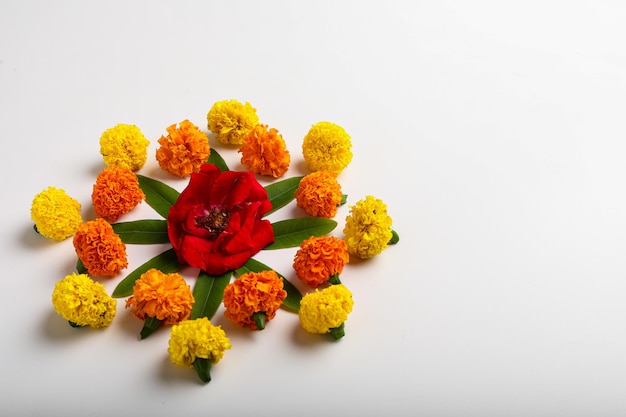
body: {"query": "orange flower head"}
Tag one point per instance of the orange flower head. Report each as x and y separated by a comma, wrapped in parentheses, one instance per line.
(166, 297)
(318, 258)
(183, 150)
(99, 248)
(264, 152)
(319, 194)
(251, 293)
(116, 192)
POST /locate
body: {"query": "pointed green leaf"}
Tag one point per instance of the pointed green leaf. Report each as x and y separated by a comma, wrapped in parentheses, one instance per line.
(208, 292)
(282, 192)
(80, 267)
(292, 301)
(159, 195)
(395, 237)
(142, 231)
(166, 262)
(202, 367)
(150, 325)
(216, 159)
(291, 232)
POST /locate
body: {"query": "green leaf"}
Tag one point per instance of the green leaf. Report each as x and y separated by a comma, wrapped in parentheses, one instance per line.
(150, 325)
(166, 262)
(282, 192)
(291, 232)
(292, 301)
(159, 195)
(80, 267)
(202, 367)
(395, 238)
(216, 159)
(142, 231)
(208, 292)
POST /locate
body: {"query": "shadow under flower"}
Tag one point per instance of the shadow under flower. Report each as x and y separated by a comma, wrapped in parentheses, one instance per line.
(57, 329)
(233, 331)
(126, 321)
(169, 372)
(30, 238)
(308, 340)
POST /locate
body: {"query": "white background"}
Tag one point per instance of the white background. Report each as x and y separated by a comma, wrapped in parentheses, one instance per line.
(494, 131)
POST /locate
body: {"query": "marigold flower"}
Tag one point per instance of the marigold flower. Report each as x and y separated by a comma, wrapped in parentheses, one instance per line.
(55, 213)
(125, 146)
(319, 194)
(253, 292)
(83, 301)
(166, 297)
(116, 192)
(324, 310)
(264, 152)
(198, 338)
(197, 344)
(327, 147)
(319, 258)
(100, 249)
(183, 150)
(368, 228)
(231, 121)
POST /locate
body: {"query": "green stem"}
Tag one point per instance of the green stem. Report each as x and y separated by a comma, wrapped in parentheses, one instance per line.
(80, 267)
(73, 324)
(395, 238)
(150, 324)
(337, 332)
(259, 319)
(203, 369)
(334, 279)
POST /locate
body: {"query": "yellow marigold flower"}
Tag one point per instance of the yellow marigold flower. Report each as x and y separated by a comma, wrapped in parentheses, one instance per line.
(183, 150)
(83, 302)
(251, 293)
(327, 147)
(231, 121)
(324, 310)
(319, 258)
(319, 194)
(368, 228)
(264, 152)
(125, 146)
(166, 297)
(100, 249)
(116, 192)
(199, 338)
(55, 213)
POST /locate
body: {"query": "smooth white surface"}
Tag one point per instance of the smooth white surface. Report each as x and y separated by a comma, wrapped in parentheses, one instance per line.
(494, 131)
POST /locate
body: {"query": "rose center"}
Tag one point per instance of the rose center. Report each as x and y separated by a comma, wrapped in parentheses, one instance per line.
(214, 221)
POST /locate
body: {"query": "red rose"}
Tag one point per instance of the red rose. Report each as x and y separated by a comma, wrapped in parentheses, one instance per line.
(216, 223)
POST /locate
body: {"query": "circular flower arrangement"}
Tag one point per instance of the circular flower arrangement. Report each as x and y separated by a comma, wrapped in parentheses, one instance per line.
(216, 224)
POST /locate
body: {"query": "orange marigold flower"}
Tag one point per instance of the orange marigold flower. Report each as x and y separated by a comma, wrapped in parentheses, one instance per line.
(319, 258)
(264, 152)
(251, 293)
(166, 297)
(100, 249)
(116, 192)
(183, 150)
(319, 194)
